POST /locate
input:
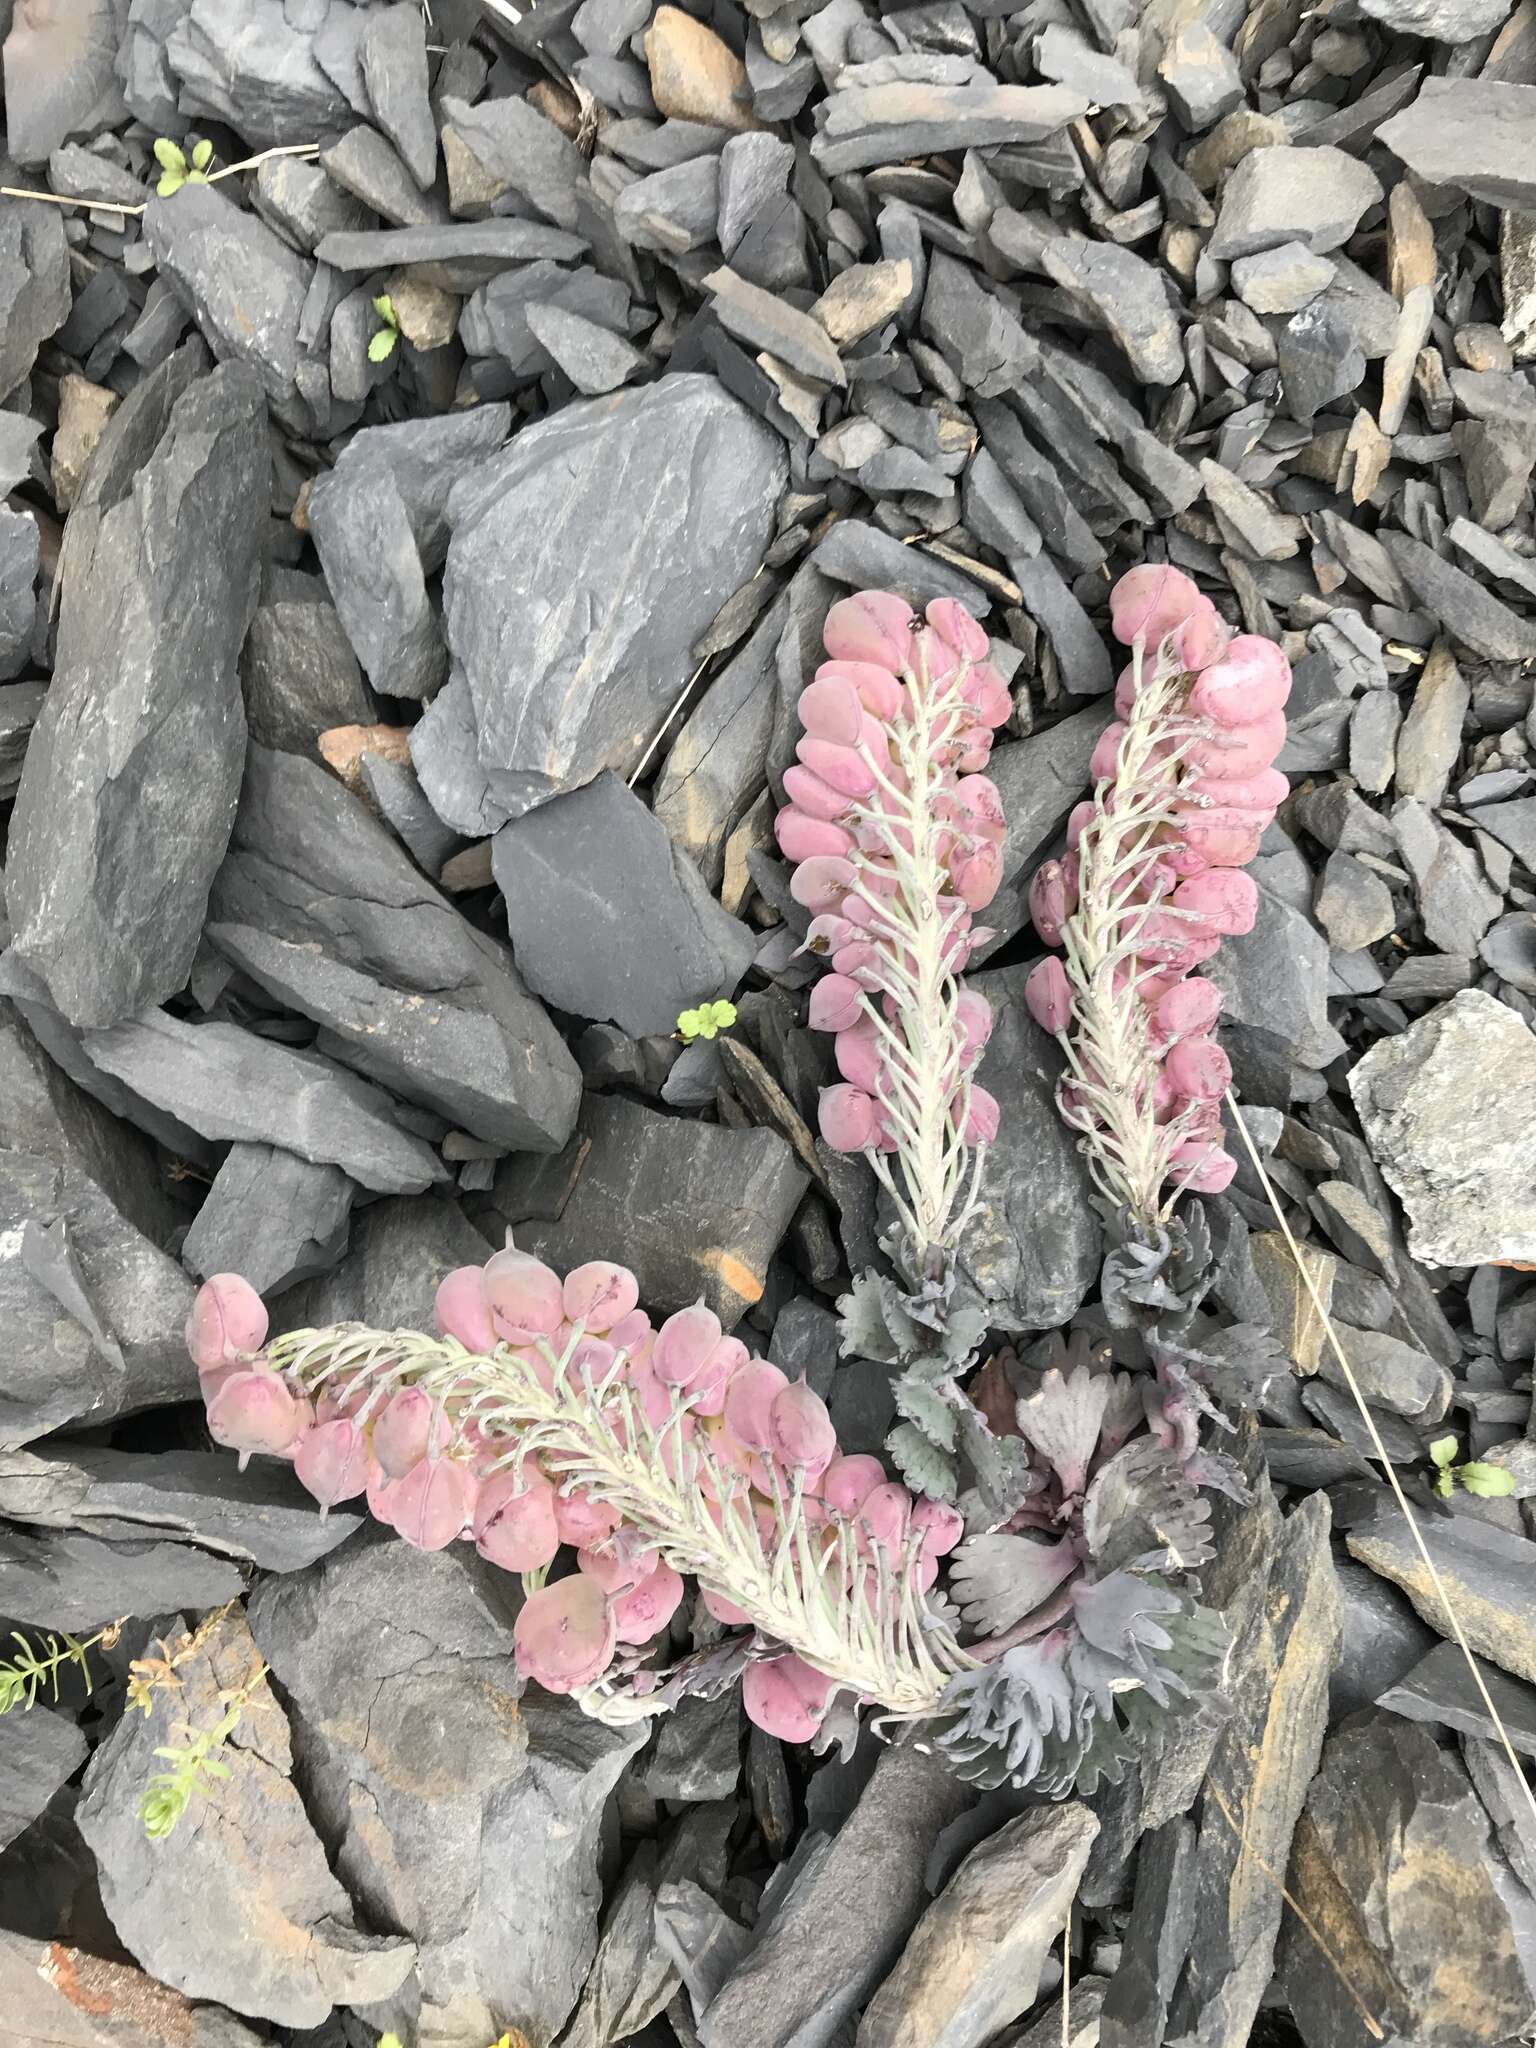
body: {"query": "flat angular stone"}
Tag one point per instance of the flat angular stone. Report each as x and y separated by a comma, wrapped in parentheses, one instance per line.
(320, 904)
(520, 151)
(694, 75)
(68, 1998)
(1476, 135)
(1313, 196)
(699, 1209)
(59, 77)
(1033, 1246)
(887, 124)
(298, 674)
(157, 598)
(237, 1903)
(764, 322)
(394, 59)
(1391, 1374)
(973, 1961)
(1439, 1689)
(35, 292)
(298, 199)
(242, 62)
(455, 255)
(1282, 279)
(754, 175)
(607, 919)
(594, 360)
(270, 1216)
(1275, 978)
(40, 1751)
(1437, 1105)
(865, 557)
(260, 1516)
(1386, 1639)
(568, 671)
(1130, 298)
(371, 170)
(227, 1083)
(1514, 826)
(1486, 1574)
(1201, 77)
(672, 211)
(831, 1935)
(1394, 1869)
(371, 1647)
(495, 322)
(1430, 742)
(65, 1579)
(240, 281)
(379, 521)
(973, 330)
(862, 298)
(1354, 906)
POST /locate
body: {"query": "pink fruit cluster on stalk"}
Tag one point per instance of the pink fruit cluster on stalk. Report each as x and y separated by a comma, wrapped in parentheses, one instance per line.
(551, 1413)
(896, 839)
(1151, 883)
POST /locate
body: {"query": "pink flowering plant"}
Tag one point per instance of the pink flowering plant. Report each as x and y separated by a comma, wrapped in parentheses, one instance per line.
(896, 838)
(609, 1461)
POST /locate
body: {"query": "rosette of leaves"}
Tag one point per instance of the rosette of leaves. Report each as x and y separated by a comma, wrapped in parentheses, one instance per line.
(386, 337)
(1083, 1607)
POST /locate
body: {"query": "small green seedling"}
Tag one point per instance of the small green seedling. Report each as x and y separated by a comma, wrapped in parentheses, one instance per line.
(385, 341)
(175, 171)
(707, 1021)
(1488, 1482)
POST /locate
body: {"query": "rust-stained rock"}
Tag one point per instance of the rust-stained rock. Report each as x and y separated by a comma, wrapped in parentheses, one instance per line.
(58, 1997)
(1488, 1576)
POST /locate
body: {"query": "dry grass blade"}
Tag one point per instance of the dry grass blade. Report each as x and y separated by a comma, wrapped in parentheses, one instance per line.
(249, 163)
(1441, 1590)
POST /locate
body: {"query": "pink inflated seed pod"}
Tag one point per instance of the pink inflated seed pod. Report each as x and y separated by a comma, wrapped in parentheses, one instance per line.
(599, 1294)
(821, 883)
(1224, 839)
(942, 1527)
(874, 627)
(1048, 995)
(785, 1698)
(684, 1343)
(1050, 901)
(983, 1118)
(836, 1003)
(565, 1637)
(1265, 791)
(431, 1504)
(841, 768)
(749, 1403)
(1186, 1008)
(645, 1610)
(1207, 1169)
(513, 1520)
(460, 1310)
(1226, 898)
(977, 876)
(1149, 602)
(1203, 637)
(801, 838)
(830, 707)
(1238, 751)
(858, 1054)
(848, 1482)
(1198, 1067)
(879, 691)
(954, 624)
(524, 1297)
(255, 1411)
(813, 797)
(227, 1323)
(973, 1015)
(800, 1432)
(331, 1461)
(584, 1523)
(403, 1431)
(1252, 680)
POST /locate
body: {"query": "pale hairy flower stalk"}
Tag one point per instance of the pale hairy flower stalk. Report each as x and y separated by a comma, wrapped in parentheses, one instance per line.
(594, 1439)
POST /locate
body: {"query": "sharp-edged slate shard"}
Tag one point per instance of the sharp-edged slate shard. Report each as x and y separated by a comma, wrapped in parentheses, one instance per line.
(261, 1515)
(242, 61)
(1476, 135)
(271, 1217)
(34, 285)
(133, 769)
(572, 666)
(701, 1209)
(228, 1083)
(456, 255)
(41, 1750)
(320, 904)
(379, 522)
(886, 124)
(66, 1579)
(1486, 1573)
(240, 281)
(607, 919)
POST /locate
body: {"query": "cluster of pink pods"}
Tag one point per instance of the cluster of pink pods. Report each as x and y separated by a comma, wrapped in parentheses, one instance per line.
(896, 837)
(1210, 770)
(427, 1469)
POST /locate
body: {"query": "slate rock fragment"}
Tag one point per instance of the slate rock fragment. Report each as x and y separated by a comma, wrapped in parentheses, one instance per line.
(374, 1646)
(298, 674)
(20, 556)
(763, 321)
(40, 1751)
(973, 1961)
(1282, 279)
(394, 61)
(261, 1516)
(1435, 1104)
(241, 61)
(143, 730)
(399, 1253)
(456, 256)
(1385, 1639)
(320, 904)
(974, 331)
(570, 667)
(1033, 1246)
(1440, 1689)
(70, 1997)
(1313, 196)
(228, 1083)
(237, 1904)
(1485, 1573)
(1476, 135)
(66, 1579)
(379, 520)
(607, 919)
(1129, 297)
(1430, 740)
(694, 75)
(516, 150)
(673, 211)
(1394, 1868)
(270, 1216)
(35, 294)
(240, 281)
(865, 125)
(594, 360)
(831, 1937)
(700, 1209)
